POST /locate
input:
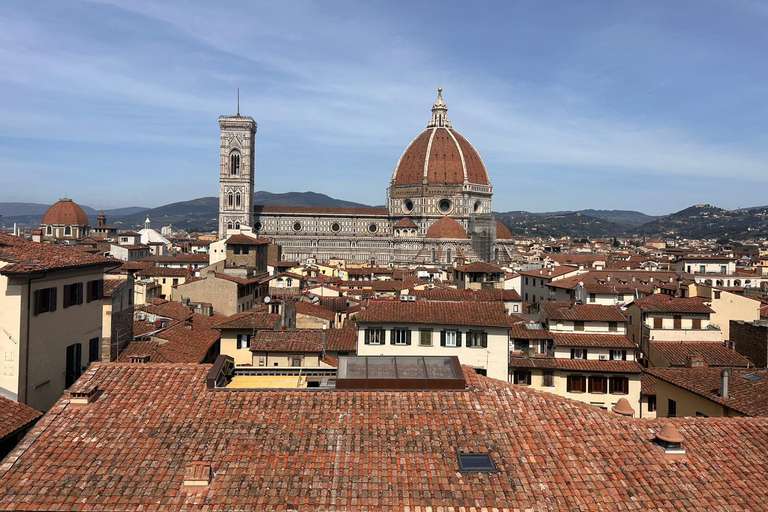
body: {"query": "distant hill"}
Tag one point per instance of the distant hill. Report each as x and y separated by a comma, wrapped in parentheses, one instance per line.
(30, 214)
(299, 199)
(707, 221)
(572, 224)
(626, 218)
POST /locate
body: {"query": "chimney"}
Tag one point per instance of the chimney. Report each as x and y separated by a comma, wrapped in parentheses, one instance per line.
(622, 408)
(671, 441)
(197, 476)
(84, 396)
(695, 361)
(140, 358)
(724, 382)
(531, 351)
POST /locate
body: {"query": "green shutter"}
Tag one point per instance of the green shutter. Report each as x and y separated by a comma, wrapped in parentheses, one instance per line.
(458, 338)
(485, 340)
(408, 337)
(442, 338)
(367, 337)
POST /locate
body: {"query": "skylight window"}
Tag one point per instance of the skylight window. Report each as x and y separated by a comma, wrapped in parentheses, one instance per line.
(753, 376)
(475, 462)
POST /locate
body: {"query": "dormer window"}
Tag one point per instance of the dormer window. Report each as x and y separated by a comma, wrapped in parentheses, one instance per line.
(234, 163)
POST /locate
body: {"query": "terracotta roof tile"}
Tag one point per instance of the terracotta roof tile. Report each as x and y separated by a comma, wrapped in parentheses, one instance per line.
(309, 309)
(250, 320)
(592, 340)
(368, 451)
(662, 303)
(240, 239)
(446, 228)
(25, 256)
(713, 353)
(431, 312)
(15, 416)
(583, 312)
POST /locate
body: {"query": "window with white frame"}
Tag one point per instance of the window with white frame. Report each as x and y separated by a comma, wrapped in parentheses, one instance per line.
(450, 338)
(401, 336)
(618, 355)
(374, 336)
(578, 353)
(243, 341)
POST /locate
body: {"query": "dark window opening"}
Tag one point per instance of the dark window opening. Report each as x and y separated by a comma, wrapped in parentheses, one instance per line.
(475, 462)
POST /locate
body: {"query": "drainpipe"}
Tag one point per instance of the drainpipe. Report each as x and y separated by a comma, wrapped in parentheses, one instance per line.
(26, 341)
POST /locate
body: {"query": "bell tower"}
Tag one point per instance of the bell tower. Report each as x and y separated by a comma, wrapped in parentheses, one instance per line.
(236, 169)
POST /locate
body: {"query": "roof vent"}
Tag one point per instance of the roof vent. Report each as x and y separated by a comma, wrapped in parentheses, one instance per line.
(197, 475)
(84, 396)
(622, 408)
(670, 440)
(724, 382)
(140, 358)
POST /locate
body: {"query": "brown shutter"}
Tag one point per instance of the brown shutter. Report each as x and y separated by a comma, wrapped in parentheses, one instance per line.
(484, 340)
(678, 321)
(80, 293)
(458, 338)
(52, 299)
(657, 322)
(697, 323)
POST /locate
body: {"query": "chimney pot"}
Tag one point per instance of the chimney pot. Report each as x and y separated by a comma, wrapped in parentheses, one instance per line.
(724, 382)
(622, 408)
(197, 474)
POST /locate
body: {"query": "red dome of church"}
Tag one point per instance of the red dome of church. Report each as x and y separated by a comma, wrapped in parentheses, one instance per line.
(446, 228)
(502, 233)
(65, 212)
(440, 154)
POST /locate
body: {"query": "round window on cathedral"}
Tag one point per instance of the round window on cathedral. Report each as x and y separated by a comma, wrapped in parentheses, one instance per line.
(335, 227)
(258, 226)
(478, 206)
(444, 206)
(407, 206)
(297, 226)
(372, 228)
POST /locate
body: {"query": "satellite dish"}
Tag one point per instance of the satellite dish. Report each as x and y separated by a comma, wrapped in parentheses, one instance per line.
(266, 299)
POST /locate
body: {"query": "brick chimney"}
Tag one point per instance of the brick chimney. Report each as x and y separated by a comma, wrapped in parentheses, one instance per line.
(695, 361)
(140, 358)
(197, 476)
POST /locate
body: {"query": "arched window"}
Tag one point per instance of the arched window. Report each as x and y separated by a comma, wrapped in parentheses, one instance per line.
(237, 225)
(234, 163)
(230, 199)
(237, 199)
(48, 230)
(68, 231)
(448, 255)
(229, 225)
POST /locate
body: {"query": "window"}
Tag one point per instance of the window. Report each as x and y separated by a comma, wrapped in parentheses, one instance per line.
(262, 361)
(450, 339)
(477, 339)
(289, 282)
(374, 336)
(475, 462)
(578, 325)
(696, 323)
(234, 163)
(651, 403)
(717, 294)
(522, 345)
(425, 338)
(723, 269)
(543, 347)
(657, 322)
(400, 337)
(297, 226)
(45, 300)
(578, 353)
(73, 294)
(618, 355)
(701, 415)
(522, 377)
(93, 350)
(295, 360)
(243, 341)
(48, 230)
(515, 308)
(548, 378)
(95, 290)
(68, 230)
(237, 199)
(598, 384)
(592, 298)
(702, 269)
(613, 326)
(619, 385)
(576, 384)
(175, 281)
(73, 368)
(671, 408)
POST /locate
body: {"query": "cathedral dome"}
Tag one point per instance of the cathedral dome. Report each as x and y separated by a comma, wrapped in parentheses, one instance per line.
(440, 155)
(65, 212)
(446, 228)
(502, 233)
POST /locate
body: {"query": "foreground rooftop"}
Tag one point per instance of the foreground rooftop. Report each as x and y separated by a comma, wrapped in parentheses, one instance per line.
(154, 437)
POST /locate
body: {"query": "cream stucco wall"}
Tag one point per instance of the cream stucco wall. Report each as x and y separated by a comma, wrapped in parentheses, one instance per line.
(589, 327)
(494, 358)
(45, 340)
(688, 404)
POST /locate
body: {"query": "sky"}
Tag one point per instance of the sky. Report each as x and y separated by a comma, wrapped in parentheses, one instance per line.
(651, 106)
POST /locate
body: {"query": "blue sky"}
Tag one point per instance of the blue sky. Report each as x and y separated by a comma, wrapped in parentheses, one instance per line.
(652, 106)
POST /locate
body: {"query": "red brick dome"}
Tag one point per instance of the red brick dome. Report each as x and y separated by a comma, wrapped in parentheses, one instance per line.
(405, 222)
(446, 228)
(65, 212)
(502, 233)
(440, 155)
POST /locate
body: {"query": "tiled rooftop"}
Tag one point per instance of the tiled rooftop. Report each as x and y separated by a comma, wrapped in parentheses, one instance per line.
(15, 416)
(592, 340)
(662, 303)
(368, 451)
(439, 313)
(713, 353)
(24, 256)
(584, 312)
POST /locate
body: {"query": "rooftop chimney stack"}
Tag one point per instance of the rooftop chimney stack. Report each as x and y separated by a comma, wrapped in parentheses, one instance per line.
(724, 382)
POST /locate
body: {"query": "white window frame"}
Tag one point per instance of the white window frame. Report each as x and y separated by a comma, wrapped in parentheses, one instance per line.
(450, 338)
(376, 336)
(400, 335)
